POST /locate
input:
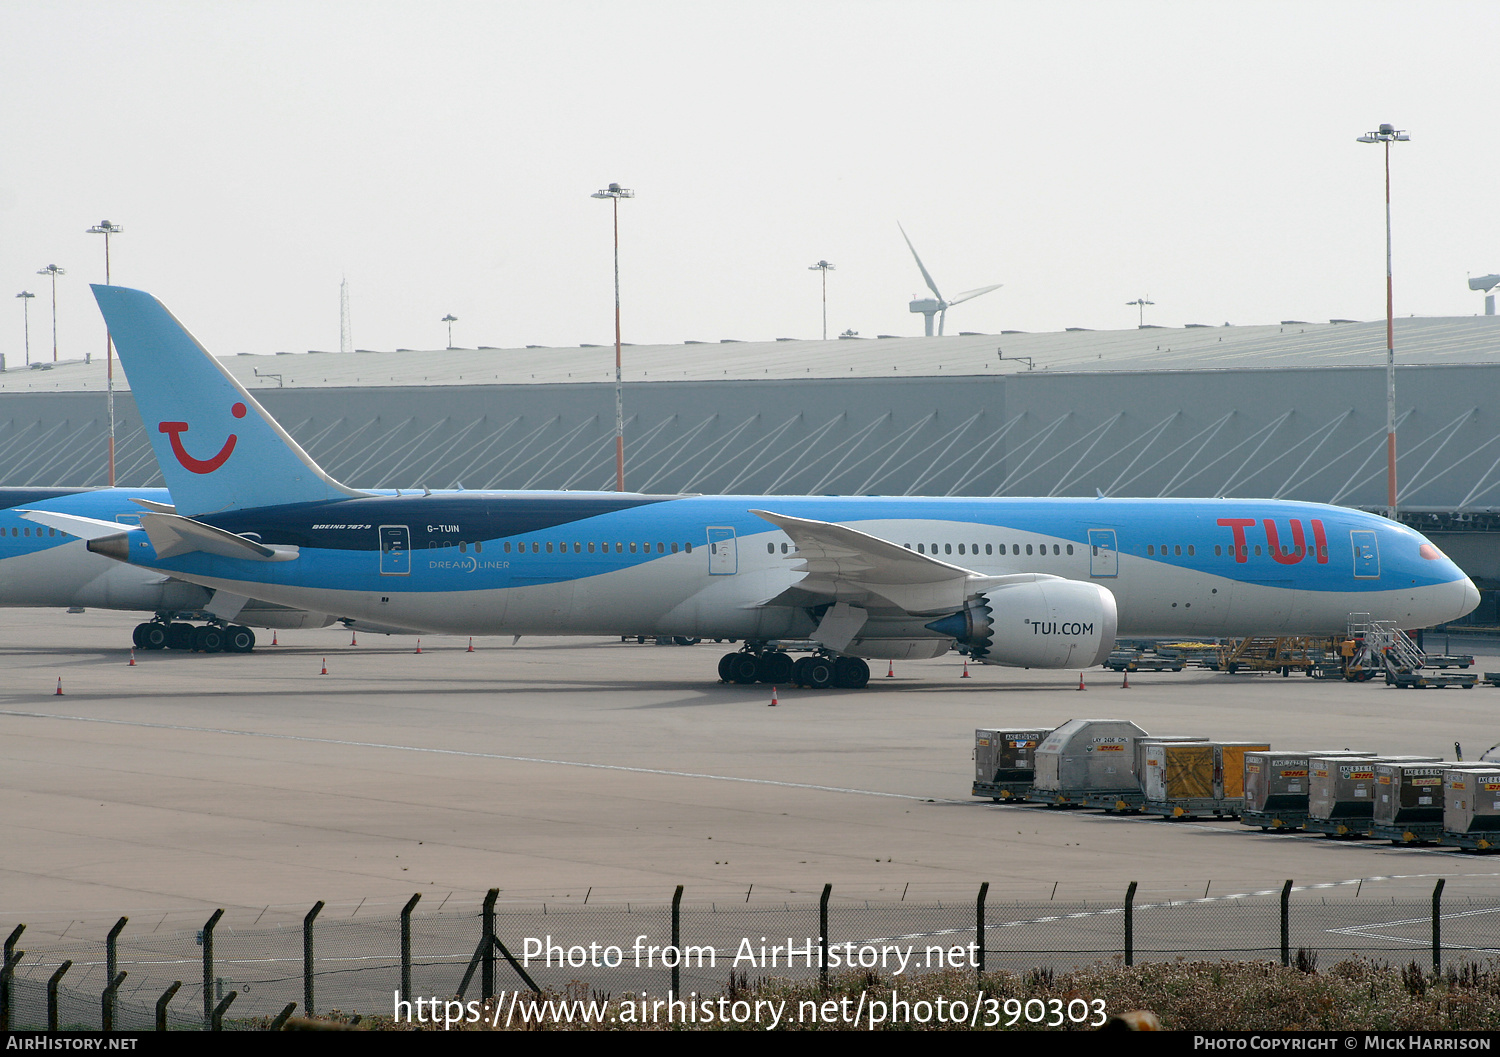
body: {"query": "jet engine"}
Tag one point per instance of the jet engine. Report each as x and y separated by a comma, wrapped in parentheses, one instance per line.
(1052, 623)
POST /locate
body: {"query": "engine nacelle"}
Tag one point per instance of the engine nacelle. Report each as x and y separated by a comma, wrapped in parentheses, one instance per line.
(1052, 623)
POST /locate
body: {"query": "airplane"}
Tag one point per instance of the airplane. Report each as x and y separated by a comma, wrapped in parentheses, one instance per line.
(40, 566)
(1039, 583)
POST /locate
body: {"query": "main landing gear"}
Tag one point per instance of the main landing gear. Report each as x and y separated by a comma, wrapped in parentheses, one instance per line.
(820, 671)
(210, 638)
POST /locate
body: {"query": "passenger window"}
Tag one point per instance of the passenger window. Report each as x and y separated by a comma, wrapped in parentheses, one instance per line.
(1028, 549)
(620, 547)
(689, 547)
(783, 548)
(1218, 550)
(478, 547)
(507, 548)
(1056, 549)
(1257, 550)
(921, 548)
(770, 548)
(988, 548)
(960, 548)
(674, 548)
(1151, 549)
(947, 548)
(661, 548)
(632, 546)
(591, 546)
(1190, 550)
(908, 546)
(1177, 549)
(463, 547)
(1070, 548)
(536, 548)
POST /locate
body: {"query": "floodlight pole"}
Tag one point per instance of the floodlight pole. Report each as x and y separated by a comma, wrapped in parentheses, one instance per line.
(1141, 303)
(26, 296)
(616, 192)
(107, 229)
(449, 319)
(825, 268)
(53, 271)
(1388, 134)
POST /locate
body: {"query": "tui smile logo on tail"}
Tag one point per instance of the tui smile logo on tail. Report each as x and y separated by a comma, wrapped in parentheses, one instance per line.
(174, 430)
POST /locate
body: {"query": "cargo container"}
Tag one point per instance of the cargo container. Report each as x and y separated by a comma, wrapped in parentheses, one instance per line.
(1341, 793)
(1086, 757)
(1005, 762)
(1189, 779)
(1408, 807)
(1128, 803)
(1277, 785)
(1471, 808)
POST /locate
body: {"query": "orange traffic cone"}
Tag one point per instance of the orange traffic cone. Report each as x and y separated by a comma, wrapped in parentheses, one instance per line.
(419, 645)
(59, 687)
(325, 667)
(1126, 684)
(890, 670)
(132, 660)
(773, 698)
(353, 638)
(273, 639)
(471, 647)
(966, 669)
(1080, 682)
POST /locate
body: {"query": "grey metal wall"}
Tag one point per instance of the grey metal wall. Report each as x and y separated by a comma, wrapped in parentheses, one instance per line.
(1314, 434)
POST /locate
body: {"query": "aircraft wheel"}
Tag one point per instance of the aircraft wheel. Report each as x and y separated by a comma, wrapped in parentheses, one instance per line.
(154, 636)
(850, 673)
(685, 640)
(138, 636)
(774, 668)
(208, 639)
(239, 639)
(742, 668)
(179, 637)
(725, 671)
(819, 673)
(799, 671)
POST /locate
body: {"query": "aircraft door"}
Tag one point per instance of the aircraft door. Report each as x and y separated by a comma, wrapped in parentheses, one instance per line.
(723, 555)
(1104, 553)
(1366, 554)
(395, 550)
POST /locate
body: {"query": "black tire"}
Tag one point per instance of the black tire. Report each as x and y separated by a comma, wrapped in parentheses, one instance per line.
(239, 639)
(684, 640)
(850, 673)
(154, 636)
(724, 667)
(138, 636)
(819, 673)
(799, 670)
(208, 639)
(179, 636)
(774, 668)
(742, 668)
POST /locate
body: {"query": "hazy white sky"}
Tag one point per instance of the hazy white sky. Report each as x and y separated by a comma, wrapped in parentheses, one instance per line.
(441, 155)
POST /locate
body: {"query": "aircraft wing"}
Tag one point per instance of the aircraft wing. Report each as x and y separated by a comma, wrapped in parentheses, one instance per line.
(849, 567)
(172, 534)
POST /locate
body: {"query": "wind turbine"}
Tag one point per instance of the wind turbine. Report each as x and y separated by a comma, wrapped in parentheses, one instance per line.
(936, 305)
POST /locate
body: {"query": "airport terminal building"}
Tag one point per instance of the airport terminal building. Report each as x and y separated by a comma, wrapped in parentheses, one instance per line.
(1294, 410)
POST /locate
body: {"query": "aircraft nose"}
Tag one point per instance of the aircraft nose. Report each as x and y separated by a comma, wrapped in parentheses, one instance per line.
(1471, 597)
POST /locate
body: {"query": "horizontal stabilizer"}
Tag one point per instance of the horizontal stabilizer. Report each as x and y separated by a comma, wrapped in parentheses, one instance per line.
(85, 528)
(155, 508)
(172, 534)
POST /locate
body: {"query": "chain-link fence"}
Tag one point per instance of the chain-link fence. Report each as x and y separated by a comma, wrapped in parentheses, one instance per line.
(247, 976)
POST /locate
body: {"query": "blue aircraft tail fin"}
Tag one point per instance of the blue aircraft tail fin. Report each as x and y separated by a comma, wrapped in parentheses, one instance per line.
(218, 449)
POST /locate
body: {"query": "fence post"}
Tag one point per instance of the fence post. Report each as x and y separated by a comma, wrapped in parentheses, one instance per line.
(161, 1005)
(107, 1004)
(52, 982)
(1130, 924)
(487, 977)
(208, 966)
(281, 1018)
(823, 936)
(1286, 923)
(5, 973)
(406, 945)
(677, 940)
(1437, 926)
(111, 962)
(216, 1015)
(984, 890)
(307, 957)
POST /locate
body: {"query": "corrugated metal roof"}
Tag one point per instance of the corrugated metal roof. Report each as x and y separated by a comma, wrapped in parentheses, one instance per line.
(1457, 340)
